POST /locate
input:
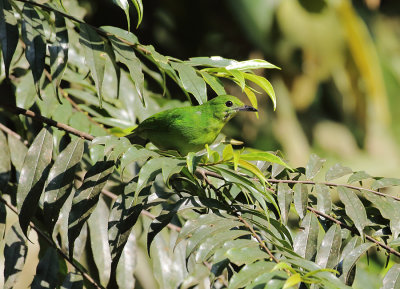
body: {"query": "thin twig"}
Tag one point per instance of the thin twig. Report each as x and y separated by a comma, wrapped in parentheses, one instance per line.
(49, 121)
(334, 185)
(12, 133)
(51, 243)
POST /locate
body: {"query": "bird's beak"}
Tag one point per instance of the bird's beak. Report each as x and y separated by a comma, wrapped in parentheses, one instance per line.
(247, 108)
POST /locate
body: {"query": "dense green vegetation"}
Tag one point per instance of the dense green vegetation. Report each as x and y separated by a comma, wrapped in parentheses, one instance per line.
(82, 207)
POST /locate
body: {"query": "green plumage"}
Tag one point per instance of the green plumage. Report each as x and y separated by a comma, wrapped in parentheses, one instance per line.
(187, 129)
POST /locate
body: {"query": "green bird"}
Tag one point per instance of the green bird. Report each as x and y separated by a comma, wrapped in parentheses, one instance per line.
(189, 129)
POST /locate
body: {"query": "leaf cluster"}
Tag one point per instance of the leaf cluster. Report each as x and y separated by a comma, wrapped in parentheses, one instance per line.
(234, 218)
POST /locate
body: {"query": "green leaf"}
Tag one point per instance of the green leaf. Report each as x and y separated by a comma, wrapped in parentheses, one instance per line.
(124, 5)
(238, 77)
(213, 61)
(251, 64)
(87, 196)
(139, 8)
(324, 199)
(300, 197)
(33, 176)
(385, 182)
(134, 154)
(73, 281)
(168, 263)
(214, 82)
(252, 97)
(255, 155)
(358, 177)
(162, 220)
(15, 251)
(284, 200)
(392, 278)
(329, 252)
(336, 172)
(171, 166)
(305, 243)
(17, 152)
(389, 209)
(292, 281)
(95, 56)
(33, 37)
(246, 255)
(126, 55)
(147, 173)
(59, 51)
(121, 34)
(46, 271)
(5, 162)
(351, 259)
(60, 180)
(207, 248)
(248, 273)
(9, 35)
(264, 84)
(127, 264)
(206, 230)
(355, 209)
(99, 241)
(191, 81)
(314, 165)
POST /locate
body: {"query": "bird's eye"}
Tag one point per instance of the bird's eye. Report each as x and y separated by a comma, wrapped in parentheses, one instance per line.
(228, 103)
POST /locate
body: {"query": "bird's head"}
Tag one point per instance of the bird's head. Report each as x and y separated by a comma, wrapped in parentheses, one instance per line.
(225, 107)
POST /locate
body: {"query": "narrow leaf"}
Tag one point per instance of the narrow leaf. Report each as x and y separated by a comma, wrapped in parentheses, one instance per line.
(248, 273)
(214, 82)
(99, 241)
(59, 51)
(60, 181)
(392, 278)
(264, 84)
(33, 37)
(95, 56)
(385, 182)
(314, 165)
(126, 55)
(324, 199)
(354, 208)
(127, 265)
(33, 176)
(8, 33)
(264, 156)
(191, 81)
(284, 200)
(251, 64)
(305, 243)
(351, 259)
(87, 196)
(336, 172)
(329, 251)
(122, 218)
(301, 199)
(139, 8)
(389, 209)
(124, 5)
